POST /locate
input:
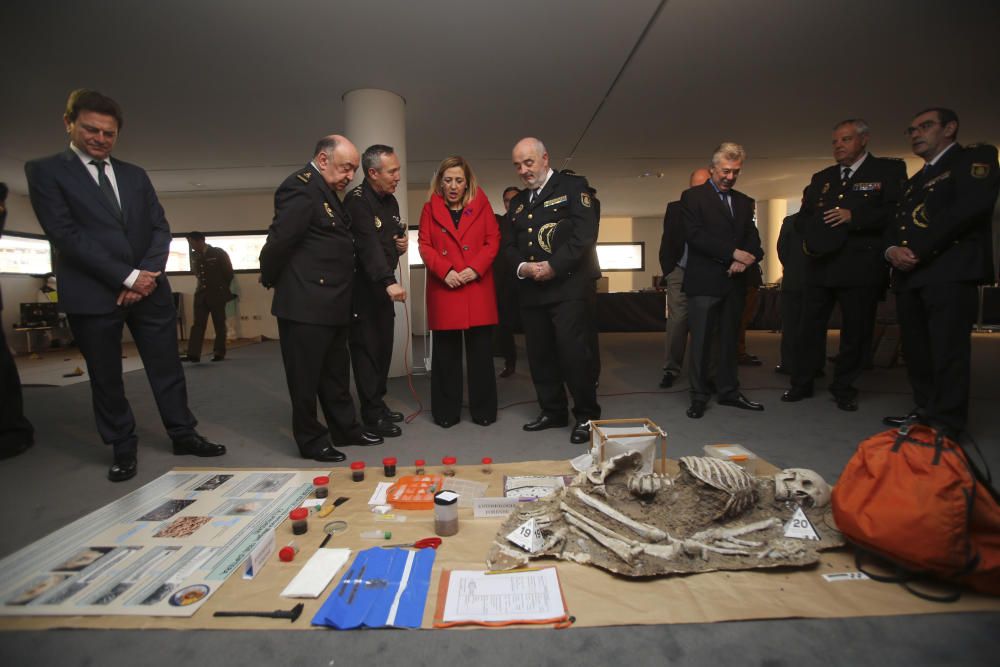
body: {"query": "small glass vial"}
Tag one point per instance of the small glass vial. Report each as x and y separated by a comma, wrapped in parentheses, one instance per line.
(319, 486)
(446, 513)
(419, 467)
(299, 524)
(449, 466)
(389, 466)
(358, 471)
(487, 465)
(377, 535)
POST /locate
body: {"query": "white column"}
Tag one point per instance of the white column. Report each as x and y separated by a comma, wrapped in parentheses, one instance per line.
(379, 117)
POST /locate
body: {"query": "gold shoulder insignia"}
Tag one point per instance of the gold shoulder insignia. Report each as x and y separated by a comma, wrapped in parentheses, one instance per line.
(356, 191)
(304, 176)
(980, 169)
(585, 199)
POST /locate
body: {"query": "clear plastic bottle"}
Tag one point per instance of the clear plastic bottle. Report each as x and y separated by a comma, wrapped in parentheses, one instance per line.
(449, 466)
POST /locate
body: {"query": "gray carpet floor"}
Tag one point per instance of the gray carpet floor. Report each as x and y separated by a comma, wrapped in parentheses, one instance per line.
(242, 403)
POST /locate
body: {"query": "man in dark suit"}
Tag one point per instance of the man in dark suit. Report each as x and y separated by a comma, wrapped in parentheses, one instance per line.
(381, 239)
(308, 259)
(214, 272)
(722, 243)
(844, 213)
(111, 241)
(552, 245)
(506, 291)
(939, 245)
(16, 432)
(793, 262)
(673, 260)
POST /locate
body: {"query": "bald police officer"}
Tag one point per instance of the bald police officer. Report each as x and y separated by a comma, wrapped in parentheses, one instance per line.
(553, 245)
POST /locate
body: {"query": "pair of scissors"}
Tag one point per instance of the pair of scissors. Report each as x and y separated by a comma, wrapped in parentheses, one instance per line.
(432, 542)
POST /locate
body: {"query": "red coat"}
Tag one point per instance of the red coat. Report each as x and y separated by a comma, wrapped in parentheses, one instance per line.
(444, 248)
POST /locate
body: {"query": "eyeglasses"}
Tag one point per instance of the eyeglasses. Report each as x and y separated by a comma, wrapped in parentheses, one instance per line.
(922, 127)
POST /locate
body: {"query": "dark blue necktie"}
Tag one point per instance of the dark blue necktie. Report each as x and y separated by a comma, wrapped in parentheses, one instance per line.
(106, 188)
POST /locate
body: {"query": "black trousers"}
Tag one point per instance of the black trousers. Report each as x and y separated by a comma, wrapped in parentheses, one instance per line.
(708, 317)
(202, 310)
(15, 429)
(791, 318)
(446, 374)
(507, 315)
(562, 342)
(857, 306)
(370, 343)
(936, 331)
(317, 366)
(153, 324)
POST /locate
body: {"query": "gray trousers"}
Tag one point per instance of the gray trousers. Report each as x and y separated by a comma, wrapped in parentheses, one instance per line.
(677, 322)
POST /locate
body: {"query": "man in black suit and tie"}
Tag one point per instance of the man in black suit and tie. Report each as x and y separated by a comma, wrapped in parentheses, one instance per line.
(722, 242)
(939, 245)
(309, 261)
(845, 210)
(552, 247)
(111, 241)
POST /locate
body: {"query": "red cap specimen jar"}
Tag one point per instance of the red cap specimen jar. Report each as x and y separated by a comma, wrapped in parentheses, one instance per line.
(299, 523)
(358, 471)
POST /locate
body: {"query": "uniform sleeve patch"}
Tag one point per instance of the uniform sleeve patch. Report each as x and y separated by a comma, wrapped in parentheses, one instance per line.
(585, 199)
(980, 169)
(304, 176)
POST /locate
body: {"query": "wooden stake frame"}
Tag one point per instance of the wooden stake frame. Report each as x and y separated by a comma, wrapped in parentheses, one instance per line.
(650, 429)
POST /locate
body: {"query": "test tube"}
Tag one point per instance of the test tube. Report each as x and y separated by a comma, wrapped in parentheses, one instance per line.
(377, 535)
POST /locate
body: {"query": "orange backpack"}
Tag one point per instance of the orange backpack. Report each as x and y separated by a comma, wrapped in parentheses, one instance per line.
(914, 498)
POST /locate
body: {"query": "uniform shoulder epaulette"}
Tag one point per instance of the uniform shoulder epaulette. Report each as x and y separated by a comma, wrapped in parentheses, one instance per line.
(357, 191)
(304, 176)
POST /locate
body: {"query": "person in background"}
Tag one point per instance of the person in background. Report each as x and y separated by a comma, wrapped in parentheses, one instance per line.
(507, 310)
(214, 272)
(459, 239)
(16, 432)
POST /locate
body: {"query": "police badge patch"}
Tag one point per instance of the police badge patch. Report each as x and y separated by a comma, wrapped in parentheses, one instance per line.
(545, 236)
(378, 223)
(919, 217)
(826, 188)
(519, 209)
(980, 170)
(329, 211)
(585, 199)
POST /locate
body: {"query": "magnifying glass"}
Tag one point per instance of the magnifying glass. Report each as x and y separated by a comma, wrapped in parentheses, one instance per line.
(331, 529)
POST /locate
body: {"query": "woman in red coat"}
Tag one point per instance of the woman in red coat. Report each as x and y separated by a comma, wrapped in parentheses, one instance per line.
(459, 238)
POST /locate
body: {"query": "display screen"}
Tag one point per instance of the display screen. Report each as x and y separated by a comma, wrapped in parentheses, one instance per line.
(243, 251)
(25, 253)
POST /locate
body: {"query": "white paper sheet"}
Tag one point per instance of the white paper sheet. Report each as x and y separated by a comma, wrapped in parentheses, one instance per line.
(532, 595)
(316, 574)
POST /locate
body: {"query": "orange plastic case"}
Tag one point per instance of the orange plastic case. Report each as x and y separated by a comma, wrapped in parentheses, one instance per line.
(414, 492)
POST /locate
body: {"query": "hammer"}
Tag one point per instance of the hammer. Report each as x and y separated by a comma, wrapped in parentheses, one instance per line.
(292, 614)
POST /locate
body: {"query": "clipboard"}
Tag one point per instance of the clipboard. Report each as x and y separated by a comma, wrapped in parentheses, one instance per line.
(560, 620)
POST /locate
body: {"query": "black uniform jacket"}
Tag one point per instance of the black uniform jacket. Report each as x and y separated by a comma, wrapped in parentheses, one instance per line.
(945, 218)
(375, 222)
(850, 255)
(713, 233)
(559, 227)
(214, 272)
(309, 254)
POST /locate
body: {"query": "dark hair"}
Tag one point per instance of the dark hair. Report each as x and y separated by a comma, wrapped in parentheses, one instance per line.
(944, 115)
(83, 99)
(325, 145)
(510, 188)
(372, 157)
(3, 192)
(196, 236)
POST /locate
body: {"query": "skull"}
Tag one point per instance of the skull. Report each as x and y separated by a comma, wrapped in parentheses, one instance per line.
(802, 486)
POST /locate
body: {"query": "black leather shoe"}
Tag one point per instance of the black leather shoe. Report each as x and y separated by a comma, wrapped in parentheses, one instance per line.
(188, 357)
(898, 420)
(394, 416)
(13, 450)
(796, 394)
(742, 402)
(507, 371)
(667, 381)
(384, 428)
(696, 410)
(749, 360)
(543, 422)
(364, 439)
(445, 423)
(124, 468)
(483, 421)
(328, 455)
(847, 403)
(197, 445)
(216, 357)
(782, 369)
(580, 433)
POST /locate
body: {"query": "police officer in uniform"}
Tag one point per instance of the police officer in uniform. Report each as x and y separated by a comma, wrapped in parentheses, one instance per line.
(381, 239)
(214, 272)
(844, 213)
(939, 246)
(552, 244)
(309, 260)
